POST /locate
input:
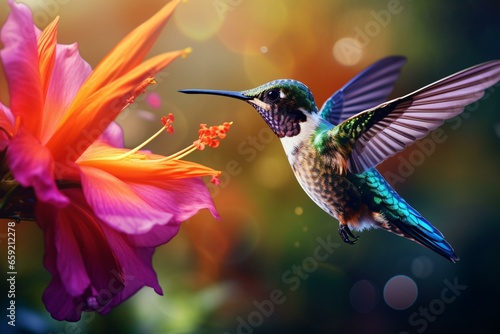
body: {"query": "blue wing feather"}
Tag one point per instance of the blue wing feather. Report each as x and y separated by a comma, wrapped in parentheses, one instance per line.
(368, 89)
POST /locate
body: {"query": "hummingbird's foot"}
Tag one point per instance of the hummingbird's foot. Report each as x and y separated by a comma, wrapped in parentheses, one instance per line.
(346, 234)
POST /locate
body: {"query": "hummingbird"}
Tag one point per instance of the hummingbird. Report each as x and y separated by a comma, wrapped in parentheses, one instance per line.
(334, 151)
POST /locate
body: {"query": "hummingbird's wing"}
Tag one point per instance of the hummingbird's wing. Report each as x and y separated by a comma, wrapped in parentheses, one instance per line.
(383, 131)
(368, 89)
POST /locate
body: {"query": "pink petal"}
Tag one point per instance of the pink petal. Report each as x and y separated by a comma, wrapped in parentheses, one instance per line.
(113, 135)
(118, 204)
(7, 126)
(20, 63)
(136, 261)
(68, 75)
(136, 206)
(32, 165)
(182, 198)
(158, 235)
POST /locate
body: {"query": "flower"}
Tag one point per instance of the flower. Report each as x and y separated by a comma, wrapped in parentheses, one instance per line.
(103, 208)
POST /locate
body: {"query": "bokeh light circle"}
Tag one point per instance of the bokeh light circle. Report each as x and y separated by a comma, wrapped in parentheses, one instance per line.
(347, 51)
(153, 99)
(198, 19)
(400, 292)
(264, 22)
(298, 210)
(363, 296)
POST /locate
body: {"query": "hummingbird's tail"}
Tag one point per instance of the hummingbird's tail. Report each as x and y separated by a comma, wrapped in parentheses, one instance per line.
(415, 227)
(392, 213)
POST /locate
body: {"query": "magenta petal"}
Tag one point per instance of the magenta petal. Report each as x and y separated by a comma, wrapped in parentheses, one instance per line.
(60, 305)
(131, 287)
(80, 227)
(32, 166)
(81, 248)
(20, 62)
(70, 265)
(136, 261)
(137, 267)
(118, 204)
(139, 208)
(137, 270)
(182, 198)
(74, 233)
(135, 208)
(158, 235)
(78, 256)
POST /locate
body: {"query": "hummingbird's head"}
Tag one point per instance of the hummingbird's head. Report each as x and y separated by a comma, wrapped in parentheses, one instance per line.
(284, 104)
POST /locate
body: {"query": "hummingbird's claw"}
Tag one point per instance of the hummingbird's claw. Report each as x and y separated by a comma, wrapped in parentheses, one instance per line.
(346, 234)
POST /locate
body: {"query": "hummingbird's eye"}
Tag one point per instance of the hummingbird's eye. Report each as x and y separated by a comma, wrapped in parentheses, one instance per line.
(273, 94)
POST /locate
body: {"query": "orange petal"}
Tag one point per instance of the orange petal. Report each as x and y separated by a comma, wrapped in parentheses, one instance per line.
(47, 53)
(127, 54)
(148, 171)
(84, 123)
(141, 167)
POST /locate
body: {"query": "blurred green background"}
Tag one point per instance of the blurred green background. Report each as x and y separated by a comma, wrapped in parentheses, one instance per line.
(263, 268)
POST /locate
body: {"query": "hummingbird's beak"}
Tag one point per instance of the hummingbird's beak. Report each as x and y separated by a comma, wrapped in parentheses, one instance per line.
(228, 93)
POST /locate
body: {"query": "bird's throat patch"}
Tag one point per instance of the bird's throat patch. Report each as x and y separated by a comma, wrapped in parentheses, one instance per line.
(284, 123)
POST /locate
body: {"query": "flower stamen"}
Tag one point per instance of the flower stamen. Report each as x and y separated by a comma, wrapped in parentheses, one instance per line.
(167, 122)
(167, 125)
(207, 136)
